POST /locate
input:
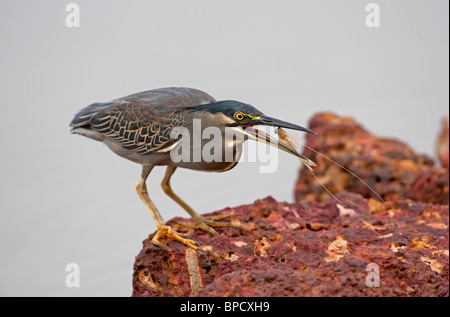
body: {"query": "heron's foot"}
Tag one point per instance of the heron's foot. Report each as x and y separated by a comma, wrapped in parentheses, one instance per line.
(207, 224)
(165, 232)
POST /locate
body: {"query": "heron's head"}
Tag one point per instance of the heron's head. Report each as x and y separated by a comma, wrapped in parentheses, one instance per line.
(244, 117)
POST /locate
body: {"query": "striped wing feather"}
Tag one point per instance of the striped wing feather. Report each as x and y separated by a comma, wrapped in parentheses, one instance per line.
(137, 126)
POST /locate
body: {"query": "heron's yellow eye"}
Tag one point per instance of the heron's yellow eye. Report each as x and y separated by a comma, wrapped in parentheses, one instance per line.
(239, 116)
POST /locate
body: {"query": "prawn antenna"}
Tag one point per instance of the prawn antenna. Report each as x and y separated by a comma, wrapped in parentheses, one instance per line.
(354, 175)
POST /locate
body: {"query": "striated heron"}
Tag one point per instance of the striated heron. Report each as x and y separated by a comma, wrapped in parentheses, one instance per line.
(140, 127)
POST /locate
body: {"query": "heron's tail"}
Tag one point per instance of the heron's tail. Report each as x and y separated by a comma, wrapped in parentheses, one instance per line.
(84, 116)
(81, 122)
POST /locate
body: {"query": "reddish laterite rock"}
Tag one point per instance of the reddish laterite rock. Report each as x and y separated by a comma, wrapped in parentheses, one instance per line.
(306, 249)
(388, 166)
(443, 144)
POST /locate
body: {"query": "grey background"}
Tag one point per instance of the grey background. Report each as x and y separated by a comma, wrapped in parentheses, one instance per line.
(65, 198)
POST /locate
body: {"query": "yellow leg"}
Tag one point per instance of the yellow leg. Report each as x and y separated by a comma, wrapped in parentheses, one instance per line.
(163, 231)
(204, 223)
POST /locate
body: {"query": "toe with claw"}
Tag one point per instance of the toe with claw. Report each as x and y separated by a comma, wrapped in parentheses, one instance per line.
(165, 232)
(207, 224)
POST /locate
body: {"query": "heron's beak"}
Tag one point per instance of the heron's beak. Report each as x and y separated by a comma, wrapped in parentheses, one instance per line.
(284, 142)
(264, 120)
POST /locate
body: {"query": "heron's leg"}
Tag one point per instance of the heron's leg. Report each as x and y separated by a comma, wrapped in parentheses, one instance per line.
(204, 223)
(162, 231)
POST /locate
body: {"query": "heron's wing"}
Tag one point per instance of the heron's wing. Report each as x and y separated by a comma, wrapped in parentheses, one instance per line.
(171, 97)
(137, 126)
(144, 121)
